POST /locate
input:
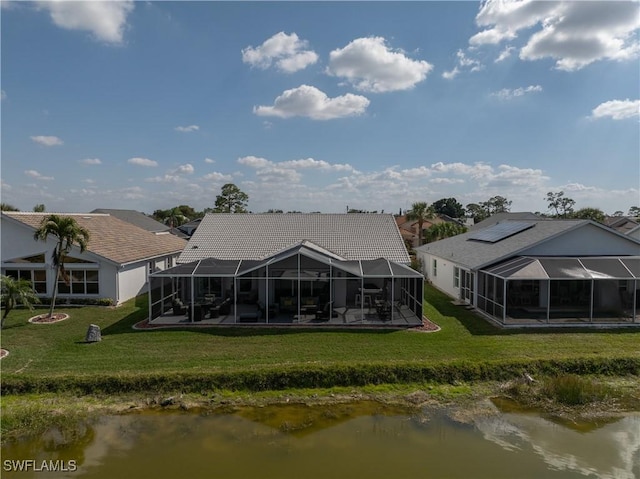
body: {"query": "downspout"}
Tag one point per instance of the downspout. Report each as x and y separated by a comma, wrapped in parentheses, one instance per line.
(266, 307)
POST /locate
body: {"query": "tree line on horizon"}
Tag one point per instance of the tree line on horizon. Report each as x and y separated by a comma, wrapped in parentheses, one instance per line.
(233, 200)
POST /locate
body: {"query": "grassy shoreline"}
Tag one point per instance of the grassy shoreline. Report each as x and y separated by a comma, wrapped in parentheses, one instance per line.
(32, 415)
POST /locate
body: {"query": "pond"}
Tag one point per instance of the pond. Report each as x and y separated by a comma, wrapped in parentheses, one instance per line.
(356, 440)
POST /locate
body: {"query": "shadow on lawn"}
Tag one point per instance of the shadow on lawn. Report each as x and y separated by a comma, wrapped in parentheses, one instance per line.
(479, 326)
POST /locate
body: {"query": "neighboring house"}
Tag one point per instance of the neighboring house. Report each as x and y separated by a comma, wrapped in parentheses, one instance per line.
(350, 269)
(622, 224)
(141, 220)
(189, 228)
(540, 272)
(498, 217)
(116, 263)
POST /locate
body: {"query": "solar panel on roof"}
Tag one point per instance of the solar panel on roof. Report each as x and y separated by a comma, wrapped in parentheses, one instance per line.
(500, 231)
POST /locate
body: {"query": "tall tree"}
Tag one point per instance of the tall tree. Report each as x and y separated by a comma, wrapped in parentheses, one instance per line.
(634, 211)
(594, 214)
(8, 207)
(231, 200)
(477, 212)
(562, 205)
(40, 208)
(420, 212)
(67, 233)
(14, 292)
(443, 230)
(450, 207)
(496, 204)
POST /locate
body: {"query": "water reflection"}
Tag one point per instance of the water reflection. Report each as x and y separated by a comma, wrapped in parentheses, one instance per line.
(352, 441)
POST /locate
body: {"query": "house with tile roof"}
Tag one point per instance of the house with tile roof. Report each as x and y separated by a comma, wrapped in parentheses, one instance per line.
(116, 263)
(540, 272)
(291, 269)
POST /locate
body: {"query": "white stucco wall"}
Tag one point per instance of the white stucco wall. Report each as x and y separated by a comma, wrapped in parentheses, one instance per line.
(443, 280)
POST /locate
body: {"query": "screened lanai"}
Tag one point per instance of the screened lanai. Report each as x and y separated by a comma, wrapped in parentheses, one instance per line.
(530, 290)
(304, 284)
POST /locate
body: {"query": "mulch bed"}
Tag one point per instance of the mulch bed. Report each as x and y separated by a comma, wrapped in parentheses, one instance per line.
(427, 326)
(46, 319)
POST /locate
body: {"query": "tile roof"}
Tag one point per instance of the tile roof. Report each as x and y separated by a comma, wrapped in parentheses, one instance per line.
(353, 236)
(476, 254)
(112, 238)
(135, 218)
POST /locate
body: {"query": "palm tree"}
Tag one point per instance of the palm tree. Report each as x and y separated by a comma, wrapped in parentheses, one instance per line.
(420, 212)
(67, 232)
(14, 292)
(175, 218)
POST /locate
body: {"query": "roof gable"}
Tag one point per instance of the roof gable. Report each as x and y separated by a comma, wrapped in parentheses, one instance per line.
(112, 238)
(350, 236)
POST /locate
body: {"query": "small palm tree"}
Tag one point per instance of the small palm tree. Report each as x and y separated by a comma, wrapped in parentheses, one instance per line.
(14, 292)
(67, 232)
(420, 212)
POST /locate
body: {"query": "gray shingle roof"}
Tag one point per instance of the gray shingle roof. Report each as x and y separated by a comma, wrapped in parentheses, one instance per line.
(135, 218)
(475, 254)
(255, 236)
(498, 217)
(112, 238)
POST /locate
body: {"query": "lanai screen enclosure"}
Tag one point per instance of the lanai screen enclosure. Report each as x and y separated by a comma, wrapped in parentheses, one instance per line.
(304, 284)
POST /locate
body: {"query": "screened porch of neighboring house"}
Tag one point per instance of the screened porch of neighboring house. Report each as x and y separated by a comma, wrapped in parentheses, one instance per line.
(570, 291)
(300, 285)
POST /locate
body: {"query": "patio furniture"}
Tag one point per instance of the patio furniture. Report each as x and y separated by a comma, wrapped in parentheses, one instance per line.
(178, 307)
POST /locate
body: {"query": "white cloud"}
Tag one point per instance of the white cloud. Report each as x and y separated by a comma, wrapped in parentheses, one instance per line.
(142, 162)
(289, 171)
(308, 101)
(288, 53)
(47, 140)
(3, 95)
(310, 163)
(370, 65)
(186, 169)
(37, 176)
(91, 161)
(617, 109)
(504, 54)
(209, 160)
(106, 20)
(573, 33)
(167, 178)
(216, 176)
(187, 129)
(464, 63)
(509, 94)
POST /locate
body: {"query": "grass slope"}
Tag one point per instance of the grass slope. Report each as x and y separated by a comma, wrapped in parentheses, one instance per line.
(50, 352)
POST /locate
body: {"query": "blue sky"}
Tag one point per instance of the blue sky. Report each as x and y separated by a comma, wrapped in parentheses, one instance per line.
(319, 106)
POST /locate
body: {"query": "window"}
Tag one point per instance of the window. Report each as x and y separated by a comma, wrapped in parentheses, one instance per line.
(37, 278)
(456, 277)
(435, 268)
(80, 282)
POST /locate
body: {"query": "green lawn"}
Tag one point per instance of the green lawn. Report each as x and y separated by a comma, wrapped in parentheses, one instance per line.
(48, 350)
